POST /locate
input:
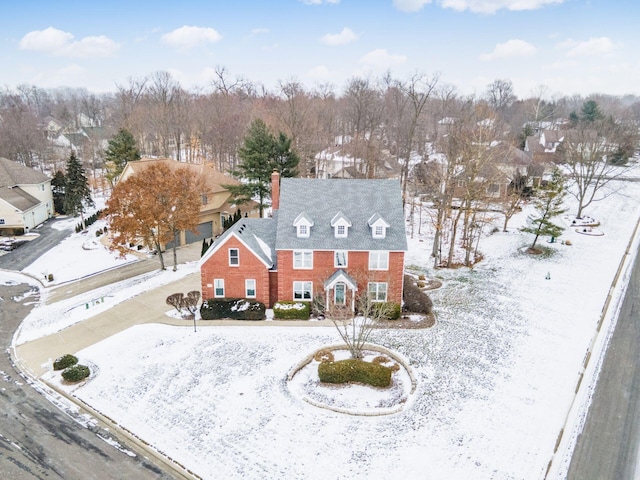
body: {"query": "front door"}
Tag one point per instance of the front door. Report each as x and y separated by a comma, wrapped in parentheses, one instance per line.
(339, 294)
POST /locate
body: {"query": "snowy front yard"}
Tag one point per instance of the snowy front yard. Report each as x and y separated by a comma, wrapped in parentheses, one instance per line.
(495, 375)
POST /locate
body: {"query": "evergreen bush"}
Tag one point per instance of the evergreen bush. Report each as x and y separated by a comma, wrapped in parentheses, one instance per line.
(65, 361)
(387, 310)
(232, 308)
(292, 310)
(76, 373)
(351, 370)
(415, 300)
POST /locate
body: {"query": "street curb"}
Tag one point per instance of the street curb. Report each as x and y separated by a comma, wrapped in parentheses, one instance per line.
(558, 466)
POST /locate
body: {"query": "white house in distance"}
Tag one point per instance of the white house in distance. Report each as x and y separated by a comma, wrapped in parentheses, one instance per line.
(26, 199)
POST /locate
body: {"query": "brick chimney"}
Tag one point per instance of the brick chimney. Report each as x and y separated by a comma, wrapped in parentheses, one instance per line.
(275, 190)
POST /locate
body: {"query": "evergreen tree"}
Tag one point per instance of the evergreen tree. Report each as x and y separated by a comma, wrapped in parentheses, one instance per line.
(58, 185)
(260, 155)
(77, 194)
(548, 204)
(122, 149)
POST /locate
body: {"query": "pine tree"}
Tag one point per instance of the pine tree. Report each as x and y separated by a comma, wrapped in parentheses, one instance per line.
(548, 204)
(122, 149)
(58, 185)
(261, 154)
(77, 194)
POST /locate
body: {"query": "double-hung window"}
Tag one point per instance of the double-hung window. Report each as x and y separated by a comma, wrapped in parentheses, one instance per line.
(250, 288)
(303, 259)
(234, 257)
(378, 260)
(218, 287)
(302, 291)
(378, 291)
(340, 258)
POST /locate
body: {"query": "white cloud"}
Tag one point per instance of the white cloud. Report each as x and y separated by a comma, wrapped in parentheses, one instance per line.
(188, 37)
(410, 5)
(510, 48)
(259, 31)
(380, 58)
(588, 48)
(59, 43)
(477, 6)
(342, 38)
(321, 72)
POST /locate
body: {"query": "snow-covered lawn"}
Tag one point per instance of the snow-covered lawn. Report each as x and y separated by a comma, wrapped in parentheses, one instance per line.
(495, 375)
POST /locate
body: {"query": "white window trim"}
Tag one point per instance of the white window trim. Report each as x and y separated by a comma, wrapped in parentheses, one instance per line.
(377, 255)
(337, 233)
(303, 255)
(303, 284)
(374, 297)
(246, 288)
(300, 232)
(335, 258)
(237, 256)
(215, 287)
(383, 232)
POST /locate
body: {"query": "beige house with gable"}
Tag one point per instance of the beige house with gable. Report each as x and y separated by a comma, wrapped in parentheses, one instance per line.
(26, 199)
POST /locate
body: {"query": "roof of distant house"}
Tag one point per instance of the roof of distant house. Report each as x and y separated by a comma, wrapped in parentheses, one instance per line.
(13, 173)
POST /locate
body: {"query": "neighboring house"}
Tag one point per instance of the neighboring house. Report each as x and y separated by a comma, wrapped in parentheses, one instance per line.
(215, 198)
(26, 199)
(328, 238)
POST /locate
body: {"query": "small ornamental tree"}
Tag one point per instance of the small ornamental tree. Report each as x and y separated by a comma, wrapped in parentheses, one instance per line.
(548, 204)
(356, 329)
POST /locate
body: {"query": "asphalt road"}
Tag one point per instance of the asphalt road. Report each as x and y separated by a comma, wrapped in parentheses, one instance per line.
(28, 253)
(607, 448)
(39, 441)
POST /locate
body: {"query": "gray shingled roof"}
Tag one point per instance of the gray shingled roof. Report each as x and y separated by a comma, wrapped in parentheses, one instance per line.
(18, 198)
(357, 199)
(13, 173)
(259, 234)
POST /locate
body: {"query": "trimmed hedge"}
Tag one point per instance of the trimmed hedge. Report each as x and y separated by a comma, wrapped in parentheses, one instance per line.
(76, 373)
(388, 310)
(65, 361)
(351, 370)
(292, 310)
(233, 308)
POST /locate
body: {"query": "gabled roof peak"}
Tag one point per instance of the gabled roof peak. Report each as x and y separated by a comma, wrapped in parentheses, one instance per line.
(340, 218)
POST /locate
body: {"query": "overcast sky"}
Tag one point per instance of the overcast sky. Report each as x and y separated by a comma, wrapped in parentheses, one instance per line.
(570, 46)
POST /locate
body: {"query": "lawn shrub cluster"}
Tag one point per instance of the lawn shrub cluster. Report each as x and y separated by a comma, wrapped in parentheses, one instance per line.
(415, 300)
(65, 361)
(233, 308)
(323, 356)
(292, 310)
(351, 370)
(90, 220)
(387, 310)
(75, 373)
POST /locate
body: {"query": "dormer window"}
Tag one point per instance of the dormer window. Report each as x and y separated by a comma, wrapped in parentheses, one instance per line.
(378, 226)
(340, 224)
(303, 224)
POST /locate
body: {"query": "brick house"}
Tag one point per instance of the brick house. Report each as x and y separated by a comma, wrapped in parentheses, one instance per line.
(327, 237)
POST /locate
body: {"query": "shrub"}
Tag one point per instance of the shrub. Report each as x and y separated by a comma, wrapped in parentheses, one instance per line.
(76, 373)
(324, 356)
(387, 310)
(233, 308)
(50, 277)
(292, 310)
(415, 300)
(65, 361)
(98, 232)
(351, 370)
